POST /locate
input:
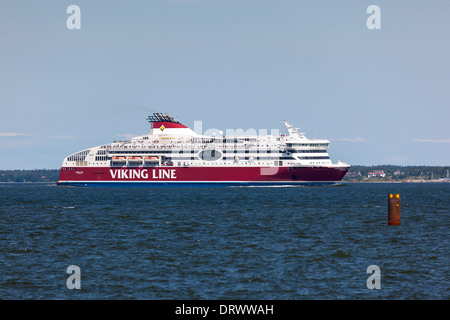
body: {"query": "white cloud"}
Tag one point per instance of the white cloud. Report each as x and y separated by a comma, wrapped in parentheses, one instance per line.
(433, 140)
(13, 134)
(17, 134)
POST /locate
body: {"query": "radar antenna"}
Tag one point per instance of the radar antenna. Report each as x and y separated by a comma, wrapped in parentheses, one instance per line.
(293, 132)
(161, 117)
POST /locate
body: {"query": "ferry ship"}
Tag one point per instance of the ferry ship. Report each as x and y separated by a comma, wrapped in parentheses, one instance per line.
(174, 155)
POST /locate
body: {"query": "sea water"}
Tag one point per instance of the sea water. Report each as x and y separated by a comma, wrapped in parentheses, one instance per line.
(223, 242)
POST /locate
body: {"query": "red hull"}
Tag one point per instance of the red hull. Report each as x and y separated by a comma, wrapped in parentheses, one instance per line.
(226, 175)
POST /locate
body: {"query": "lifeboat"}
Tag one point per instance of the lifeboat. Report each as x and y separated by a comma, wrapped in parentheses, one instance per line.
(134, 159)
(151, 159)
(118, 159)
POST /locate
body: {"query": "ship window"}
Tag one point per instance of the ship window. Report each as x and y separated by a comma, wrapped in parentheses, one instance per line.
(80, 156)
(313, 158)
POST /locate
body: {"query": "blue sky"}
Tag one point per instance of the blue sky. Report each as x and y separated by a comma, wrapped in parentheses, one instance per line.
(381, 96)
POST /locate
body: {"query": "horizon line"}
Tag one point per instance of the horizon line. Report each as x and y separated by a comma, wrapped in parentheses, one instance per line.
(351, 165)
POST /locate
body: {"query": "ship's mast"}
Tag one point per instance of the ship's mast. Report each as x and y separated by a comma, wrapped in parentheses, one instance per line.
(293, 132)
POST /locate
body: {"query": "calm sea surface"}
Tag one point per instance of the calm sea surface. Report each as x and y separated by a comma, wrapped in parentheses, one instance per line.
(224, 243)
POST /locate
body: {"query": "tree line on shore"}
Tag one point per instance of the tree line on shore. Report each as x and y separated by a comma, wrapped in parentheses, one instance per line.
(356, 173)
(36, 175)
(393, 172)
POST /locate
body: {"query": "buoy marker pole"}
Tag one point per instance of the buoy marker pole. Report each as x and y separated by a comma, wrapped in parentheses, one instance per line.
(394, 209)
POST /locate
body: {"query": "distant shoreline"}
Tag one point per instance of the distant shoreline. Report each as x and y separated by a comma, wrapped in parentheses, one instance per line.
(28, 182)
(356, 174)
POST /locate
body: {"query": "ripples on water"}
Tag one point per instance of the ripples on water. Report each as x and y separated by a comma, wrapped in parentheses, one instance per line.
(223, 243)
